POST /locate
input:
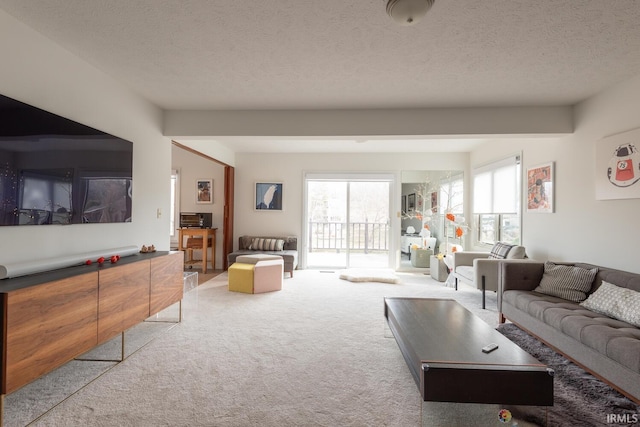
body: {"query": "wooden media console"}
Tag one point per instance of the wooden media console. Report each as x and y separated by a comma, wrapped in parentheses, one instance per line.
(53, 317)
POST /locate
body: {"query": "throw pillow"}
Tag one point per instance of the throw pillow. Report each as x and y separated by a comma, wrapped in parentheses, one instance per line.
(566, 281)
(261, 244)
(615, 301)
(256, 244)
(517, 252)
(500, 250)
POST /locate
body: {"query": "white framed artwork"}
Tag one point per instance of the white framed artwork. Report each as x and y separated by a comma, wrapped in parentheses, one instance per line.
(618, 166)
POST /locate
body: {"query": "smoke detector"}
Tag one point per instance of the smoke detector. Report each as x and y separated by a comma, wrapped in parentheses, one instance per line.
(408, 12)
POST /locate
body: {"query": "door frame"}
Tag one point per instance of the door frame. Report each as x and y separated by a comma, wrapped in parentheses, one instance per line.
(229, 199)
(394, 206)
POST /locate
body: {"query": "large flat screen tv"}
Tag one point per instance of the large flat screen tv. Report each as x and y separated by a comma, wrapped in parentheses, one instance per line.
(57, 171)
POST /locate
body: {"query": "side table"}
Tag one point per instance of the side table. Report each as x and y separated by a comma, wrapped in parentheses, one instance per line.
(438, 269)
(420, 257)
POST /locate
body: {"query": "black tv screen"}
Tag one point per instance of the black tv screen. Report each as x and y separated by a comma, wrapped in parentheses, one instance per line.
(57, 171)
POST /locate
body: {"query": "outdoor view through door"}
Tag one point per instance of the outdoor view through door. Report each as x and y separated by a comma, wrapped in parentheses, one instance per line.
(348, 223)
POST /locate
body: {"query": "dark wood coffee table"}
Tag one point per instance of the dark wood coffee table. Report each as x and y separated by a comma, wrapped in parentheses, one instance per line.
(442, 342)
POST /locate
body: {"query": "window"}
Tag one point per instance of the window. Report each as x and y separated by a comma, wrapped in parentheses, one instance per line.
(496, 202)
(452, 195)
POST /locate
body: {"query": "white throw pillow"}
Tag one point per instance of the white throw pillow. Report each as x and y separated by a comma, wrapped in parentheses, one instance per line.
(566, 282)
(615, 301)
(517, 252)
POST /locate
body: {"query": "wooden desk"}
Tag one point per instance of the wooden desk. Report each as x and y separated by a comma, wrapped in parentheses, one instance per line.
(204, 234)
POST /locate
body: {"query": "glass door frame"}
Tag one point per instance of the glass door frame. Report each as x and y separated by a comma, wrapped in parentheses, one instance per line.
(394, 205)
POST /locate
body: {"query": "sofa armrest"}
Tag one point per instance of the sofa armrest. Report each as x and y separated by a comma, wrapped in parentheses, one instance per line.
(489, 268)
(467, 258)
(520, 274)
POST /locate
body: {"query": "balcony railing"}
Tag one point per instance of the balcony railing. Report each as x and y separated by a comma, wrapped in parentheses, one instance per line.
(364, 236)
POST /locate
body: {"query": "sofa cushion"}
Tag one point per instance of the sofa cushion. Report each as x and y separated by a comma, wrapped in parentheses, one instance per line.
(613, 338)
(500, 250)
(565, 281)
(614, 301)
(465, 272)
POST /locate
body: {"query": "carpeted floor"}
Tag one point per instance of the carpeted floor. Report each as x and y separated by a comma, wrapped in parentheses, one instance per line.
(316, 353)
(580, 399)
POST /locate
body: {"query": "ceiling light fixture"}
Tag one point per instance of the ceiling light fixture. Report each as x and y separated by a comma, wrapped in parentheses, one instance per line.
(408, 12)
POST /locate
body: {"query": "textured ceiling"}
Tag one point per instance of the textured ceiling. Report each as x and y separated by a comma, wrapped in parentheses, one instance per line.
(328, 54)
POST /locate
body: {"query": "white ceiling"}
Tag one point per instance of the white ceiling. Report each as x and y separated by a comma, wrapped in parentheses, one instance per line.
(347, 54)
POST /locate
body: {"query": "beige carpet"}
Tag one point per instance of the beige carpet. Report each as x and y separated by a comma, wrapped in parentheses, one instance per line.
(316, 353)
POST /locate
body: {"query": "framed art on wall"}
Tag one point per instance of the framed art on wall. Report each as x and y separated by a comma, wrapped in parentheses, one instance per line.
(618, 166)
(540, 188)
(204, 191)
(268, 196)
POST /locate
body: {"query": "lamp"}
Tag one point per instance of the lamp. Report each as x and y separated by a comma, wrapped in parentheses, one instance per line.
(408, 12)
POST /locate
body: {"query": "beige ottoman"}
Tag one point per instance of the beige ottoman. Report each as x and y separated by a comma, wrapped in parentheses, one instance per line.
(257, 273)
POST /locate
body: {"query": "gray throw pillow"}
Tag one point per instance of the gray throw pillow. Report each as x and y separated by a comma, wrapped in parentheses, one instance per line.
(566, 282)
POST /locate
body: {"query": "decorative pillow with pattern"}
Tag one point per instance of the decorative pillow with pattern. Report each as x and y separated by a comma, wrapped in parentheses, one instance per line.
(566, 281)
(615, 301)
(261, 244)
(500, 250)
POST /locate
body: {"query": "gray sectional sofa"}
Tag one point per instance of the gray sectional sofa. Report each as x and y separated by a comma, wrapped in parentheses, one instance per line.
(605, 346)
(289, 251)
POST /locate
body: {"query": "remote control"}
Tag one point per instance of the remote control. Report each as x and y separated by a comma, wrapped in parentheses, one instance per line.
(489, 348)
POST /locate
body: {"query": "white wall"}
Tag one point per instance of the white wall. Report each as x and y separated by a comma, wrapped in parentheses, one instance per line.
(192, 167)
(36, 71)
(581, 229)
(290, 168)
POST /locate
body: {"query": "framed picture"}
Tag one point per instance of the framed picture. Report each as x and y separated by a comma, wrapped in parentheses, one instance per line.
(404, 204)
(434, 202)
(540, 188)
(618, 166)
(411, 202)
(268, 196)
(204, 191)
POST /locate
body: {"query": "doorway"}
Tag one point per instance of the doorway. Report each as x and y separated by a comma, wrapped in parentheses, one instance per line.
(348, 220)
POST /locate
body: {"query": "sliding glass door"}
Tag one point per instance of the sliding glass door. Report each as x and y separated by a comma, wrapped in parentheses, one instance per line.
(347, 221)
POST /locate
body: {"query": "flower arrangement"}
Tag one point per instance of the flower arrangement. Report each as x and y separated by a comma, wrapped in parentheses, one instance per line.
(445, 199)
(459, 227)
